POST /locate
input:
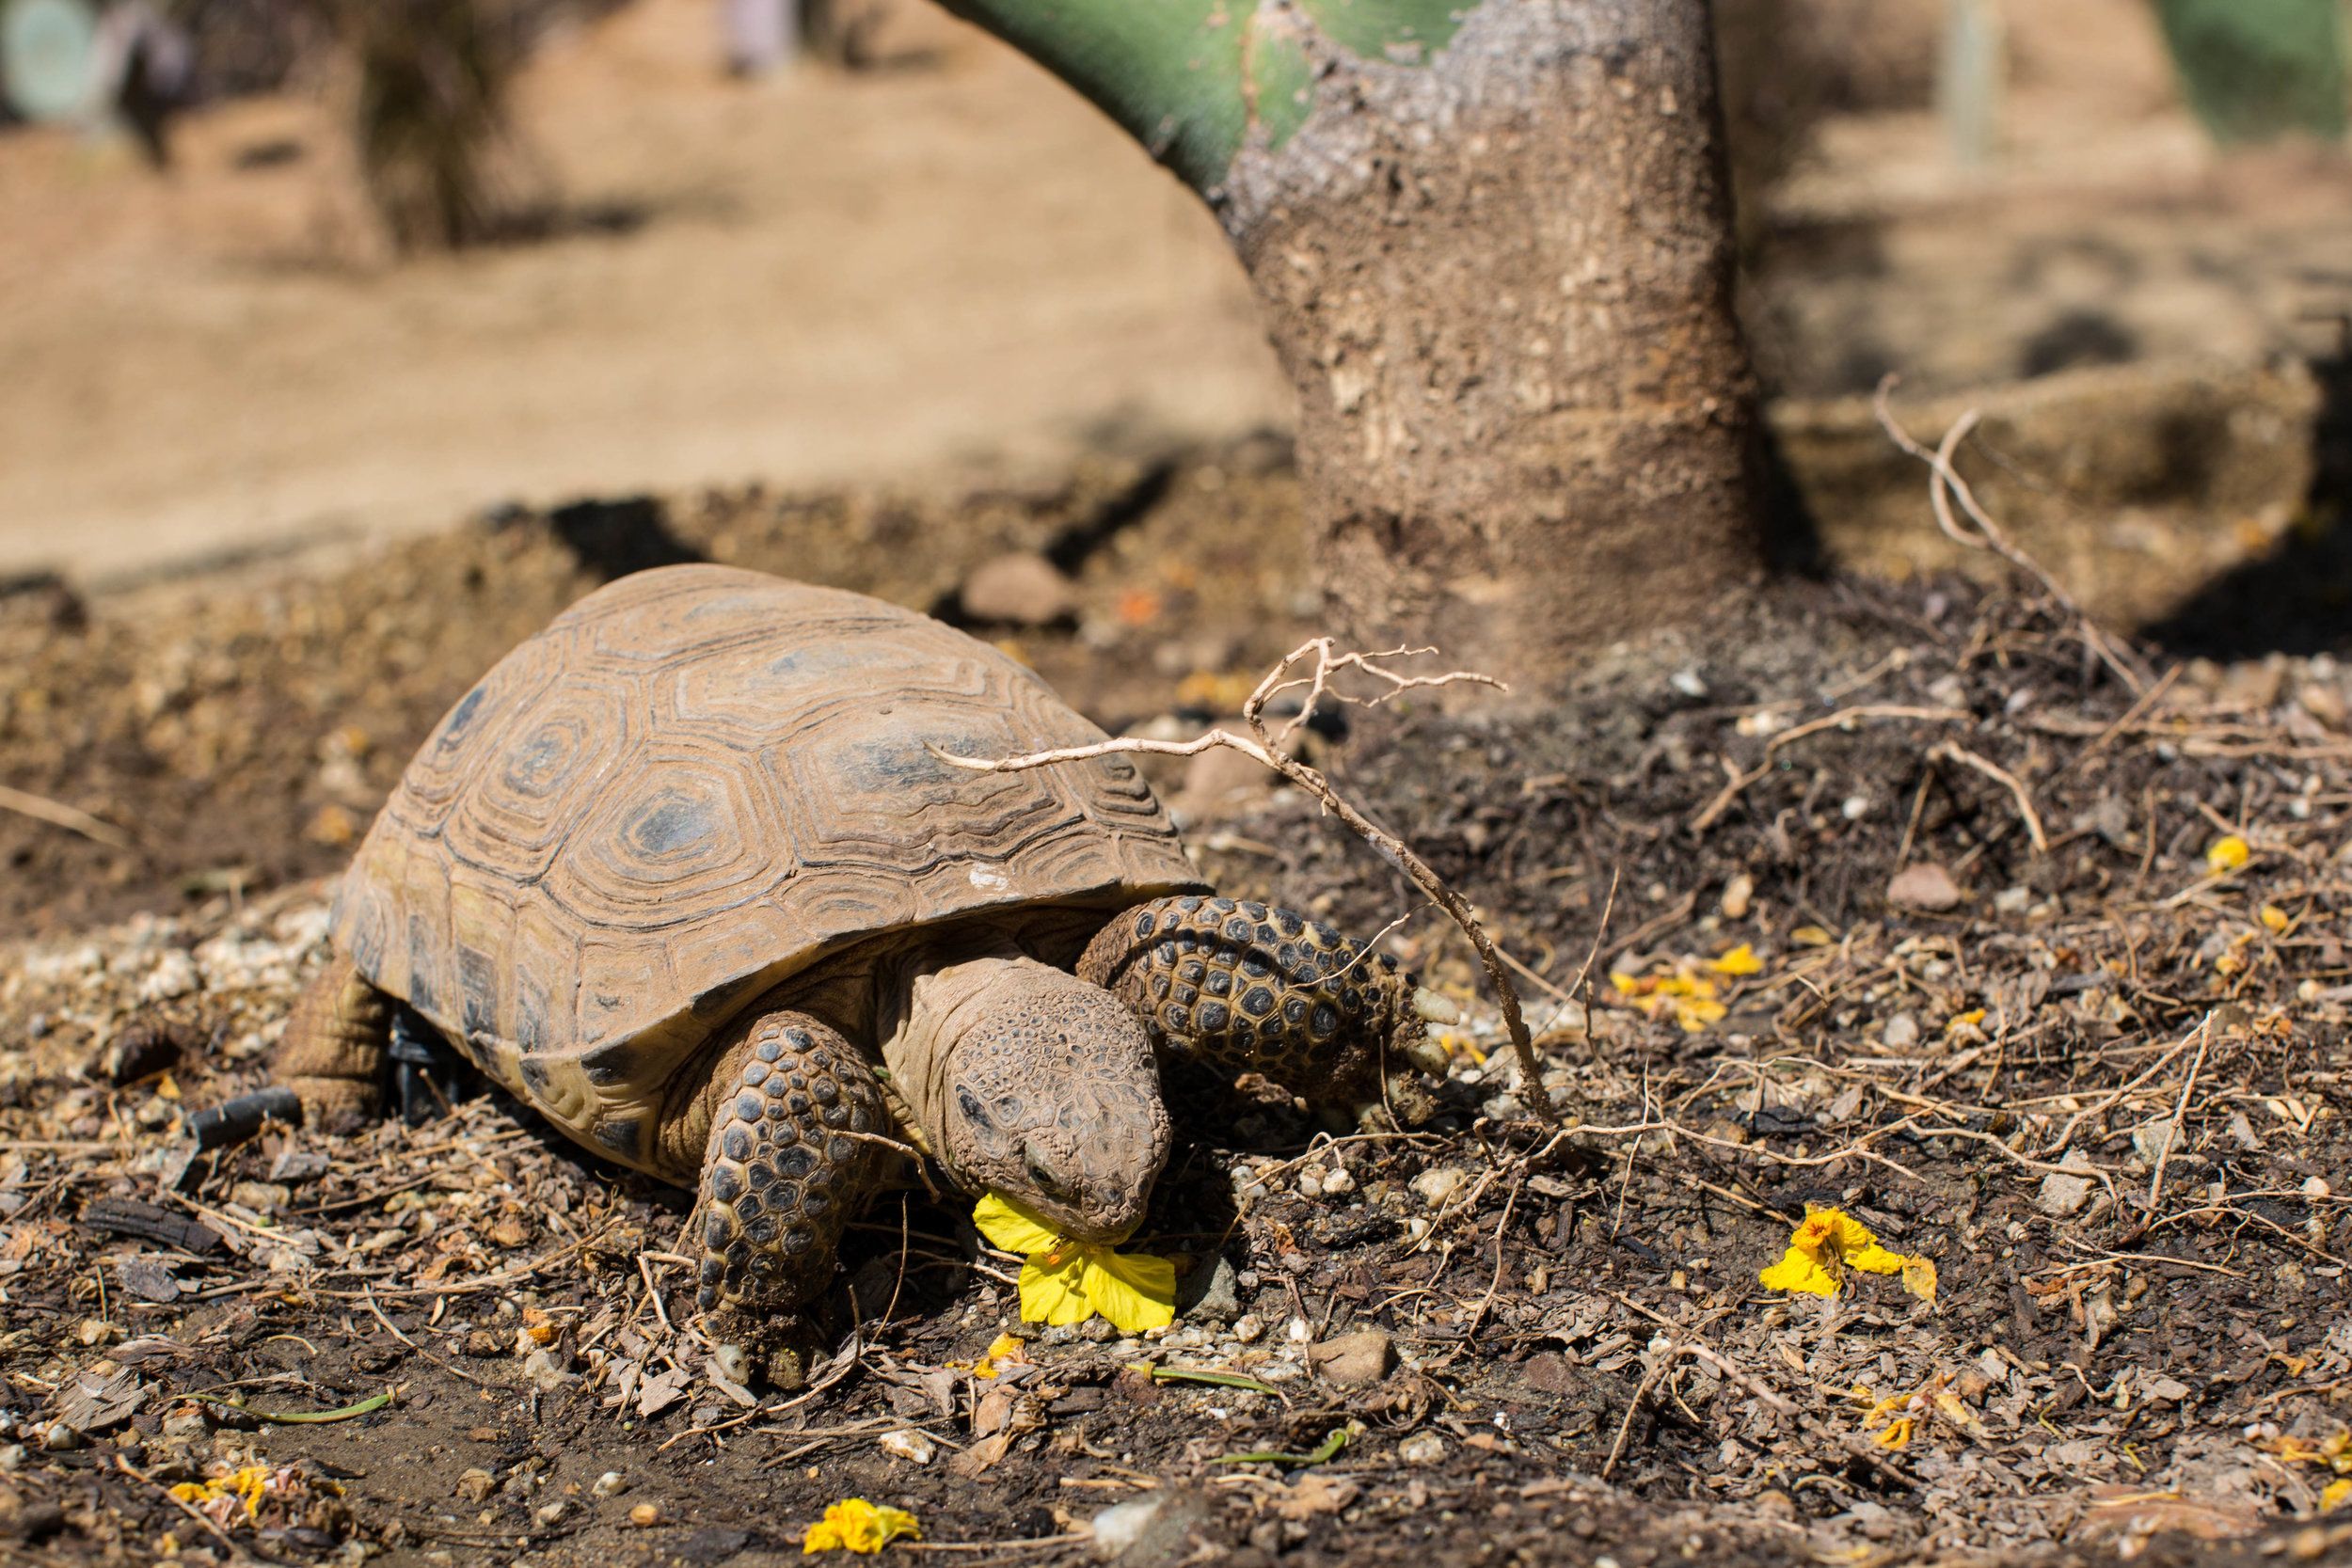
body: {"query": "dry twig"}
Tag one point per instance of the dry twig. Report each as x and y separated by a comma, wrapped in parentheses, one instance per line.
(1946, 485)
(1264, 748)
(1845, 717)
(1949, 751)
(58, 815)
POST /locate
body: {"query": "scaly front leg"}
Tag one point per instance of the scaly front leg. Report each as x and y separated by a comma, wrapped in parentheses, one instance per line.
(798, 1145)
(1241, 988)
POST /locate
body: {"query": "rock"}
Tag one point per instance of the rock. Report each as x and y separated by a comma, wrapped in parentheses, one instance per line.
(1422, 1448)
(1902, 1033)
(1022, 589)
(548, 1513)
(2012, 900)
(63, 1437)
(1925, 886)
(1353, 1360)
(1152, 1532)
(916, 1448)
(1549, 1371)
(1209, 1294)
(609, 1485)
(1338, 1182)
(546, 1370)
(294, 1166)
(2150, 1139)
(185, 1426)
(1248, 1328)
(733, 1362)
(174, 975)
(263, 1197)
(476, 1485)
(12, 1457)
(148, 1279)
(2061, 1195)
(1739, 894)
(1119, 1526)
(644, 1516)
(1440, 1184)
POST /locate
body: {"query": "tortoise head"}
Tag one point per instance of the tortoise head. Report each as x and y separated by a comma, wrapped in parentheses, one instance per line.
(1047, 1093)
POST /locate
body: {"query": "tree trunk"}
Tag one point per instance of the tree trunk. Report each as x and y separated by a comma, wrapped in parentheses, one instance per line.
(1493, 244)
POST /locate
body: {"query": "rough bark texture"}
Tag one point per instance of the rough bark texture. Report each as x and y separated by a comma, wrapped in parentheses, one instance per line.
(1503, 286)
(1494, 247)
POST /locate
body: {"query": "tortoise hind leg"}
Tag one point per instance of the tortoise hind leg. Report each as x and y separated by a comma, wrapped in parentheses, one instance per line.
(1239, 988)
(799, 1142)
(332, 1053)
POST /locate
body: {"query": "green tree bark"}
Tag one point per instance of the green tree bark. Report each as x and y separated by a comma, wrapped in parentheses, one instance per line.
(2257, 70)
(1492, 241)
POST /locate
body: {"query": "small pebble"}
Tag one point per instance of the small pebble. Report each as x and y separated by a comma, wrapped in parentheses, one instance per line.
(1422, 1448)
(11, 1458)
(1249, 1327)
(548, 1514)
(2061, 1195)
(914, 1446)
(609, 1485)
(546, 1372)
(645, 1514)
(1438, 1184)
(1338, 1182)
(1738, 894)
(1119, 1526)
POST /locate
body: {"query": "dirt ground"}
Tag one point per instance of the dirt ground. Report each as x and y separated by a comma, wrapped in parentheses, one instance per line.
(2078, 1055)
(2017, 943)
(948, 265)
(951, 262)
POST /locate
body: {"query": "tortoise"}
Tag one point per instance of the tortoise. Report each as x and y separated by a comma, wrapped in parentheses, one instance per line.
(685, 874)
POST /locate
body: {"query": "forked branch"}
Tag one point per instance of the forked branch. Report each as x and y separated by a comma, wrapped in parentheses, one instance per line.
(1264, 748)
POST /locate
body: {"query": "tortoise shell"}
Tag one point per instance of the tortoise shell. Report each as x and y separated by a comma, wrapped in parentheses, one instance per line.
(694, 784)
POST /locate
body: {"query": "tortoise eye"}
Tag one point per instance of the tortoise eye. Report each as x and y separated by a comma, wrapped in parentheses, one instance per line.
(971, 1104)
(1045, 1179)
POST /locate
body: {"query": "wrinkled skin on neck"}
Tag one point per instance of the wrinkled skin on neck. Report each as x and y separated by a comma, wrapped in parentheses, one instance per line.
(1025, 1081)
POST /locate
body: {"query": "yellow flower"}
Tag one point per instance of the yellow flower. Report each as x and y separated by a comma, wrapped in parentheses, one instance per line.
(1829, 1242)
(1686, 999)
(1740, 960)
(2227, 854)
(1068, 1282)
(856, 1525)
(1006, 1350)
(246, 1486)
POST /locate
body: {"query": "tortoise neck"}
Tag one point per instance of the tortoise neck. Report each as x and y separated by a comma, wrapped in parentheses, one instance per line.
(928, 998)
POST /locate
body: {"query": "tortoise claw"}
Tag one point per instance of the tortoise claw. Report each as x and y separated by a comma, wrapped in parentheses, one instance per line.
(425, 1079)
